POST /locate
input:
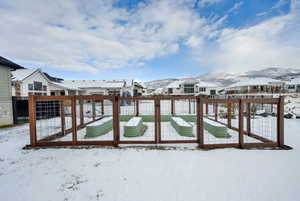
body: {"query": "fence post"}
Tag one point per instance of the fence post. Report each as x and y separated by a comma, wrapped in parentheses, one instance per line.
(189, 106)
(280, 122)
(229, 111)
(241, 123)
(62, 117)
(81, 112)
(32, 120)
(248, 118)
(216, 111)
(157, 121)
(74, 120)
(102, 107)
(116, 120)
(206, 108)
(172, 107)
(200, 137)
(94, 109)
(137, 107)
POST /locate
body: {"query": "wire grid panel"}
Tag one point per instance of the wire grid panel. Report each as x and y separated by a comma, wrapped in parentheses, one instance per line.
(185, 106)
(87, 111)
(98, 130)
(48, 119)
(137, 126)
(182, 124)
(235, 115)
(128, 107)
(263, 121)
(98, 109)
(215, 132)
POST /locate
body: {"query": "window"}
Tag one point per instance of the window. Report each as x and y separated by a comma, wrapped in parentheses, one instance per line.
(202, 89)
(170, 90)
(30, 87)
(212, 92)
(188, 88)
(37, 86)
(291, 87)
(113, 92)
(52, 93)
(62, 93)
(44, 88)
(36, 93)
(44, 94)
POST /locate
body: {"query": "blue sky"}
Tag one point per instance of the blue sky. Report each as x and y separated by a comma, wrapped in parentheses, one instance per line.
(150, 39)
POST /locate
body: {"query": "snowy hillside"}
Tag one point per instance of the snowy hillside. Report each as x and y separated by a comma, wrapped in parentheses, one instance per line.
(226, 79)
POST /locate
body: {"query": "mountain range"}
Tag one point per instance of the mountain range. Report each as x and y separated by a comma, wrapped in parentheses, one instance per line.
(226, 79)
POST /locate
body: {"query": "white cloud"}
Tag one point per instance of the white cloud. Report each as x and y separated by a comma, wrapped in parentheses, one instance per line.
(270, 43)
(92, 35)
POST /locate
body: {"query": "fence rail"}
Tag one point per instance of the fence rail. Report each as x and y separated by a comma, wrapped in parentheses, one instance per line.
(206, 123)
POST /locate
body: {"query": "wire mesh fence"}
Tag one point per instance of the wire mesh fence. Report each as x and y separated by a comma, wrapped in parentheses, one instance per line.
(111, 120)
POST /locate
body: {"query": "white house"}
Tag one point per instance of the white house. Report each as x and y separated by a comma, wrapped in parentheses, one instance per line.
(106, 87)
(182, 87)
(208, 88)
(34, 81)
(256, 86)
(6, 112)
(294, 85)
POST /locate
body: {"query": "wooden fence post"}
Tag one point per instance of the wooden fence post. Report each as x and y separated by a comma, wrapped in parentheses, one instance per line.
(248, 118)
(94, 110)
(32, 120)
(200, 137)
(189, 106)
(206, 108)
(229, 111)
(74, 120)
(241, 123)
(102, 107)
(280, 122)
(172, 107)
(116, 120)
(216, 111)
(62, 117)
(157, 121)
(137, 108)
(81, 112)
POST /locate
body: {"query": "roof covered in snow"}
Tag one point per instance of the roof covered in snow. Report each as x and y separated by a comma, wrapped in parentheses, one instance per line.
(207, 84)
(94, 83)
(256, 82)
(174, 84)
(21, 74)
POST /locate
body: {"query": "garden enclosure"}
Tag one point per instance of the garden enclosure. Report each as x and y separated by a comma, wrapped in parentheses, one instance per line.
(114, 120)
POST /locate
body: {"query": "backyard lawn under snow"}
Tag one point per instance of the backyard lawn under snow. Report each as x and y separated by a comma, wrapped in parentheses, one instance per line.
(130, 174)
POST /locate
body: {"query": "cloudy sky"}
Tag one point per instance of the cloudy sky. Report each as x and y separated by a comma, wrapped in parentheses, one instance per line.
(149, 39)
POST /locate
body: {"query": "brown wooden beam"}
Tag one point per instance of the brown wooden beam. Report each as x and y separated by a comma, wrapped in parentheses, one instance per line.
(32, 119)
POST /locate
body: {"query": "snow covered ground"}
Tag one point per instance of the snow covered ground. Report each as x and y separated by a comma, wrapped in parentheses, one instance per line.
(130, 174)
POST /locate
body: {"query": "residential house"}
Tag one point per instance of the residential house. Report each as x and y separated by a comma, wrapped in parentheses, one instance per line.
(6, 111)
(182, 87)
(208, 88)
(294, 85)
(261, 85)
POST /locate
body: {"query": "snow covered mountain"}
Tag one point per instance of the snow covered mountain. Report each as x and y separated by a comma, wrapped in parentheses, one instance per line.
(226, 79)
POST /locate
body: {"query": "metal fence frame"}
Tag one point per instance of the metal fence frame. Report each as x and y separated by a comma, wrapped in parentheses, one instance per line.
(201, 104)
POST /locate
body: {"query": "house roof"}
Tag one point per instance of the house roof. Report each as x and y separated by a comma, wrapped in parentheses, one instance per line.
(207, 84)
(94, 83)
(174, 84)
(256, 82)
(21, 74)
(8, 63)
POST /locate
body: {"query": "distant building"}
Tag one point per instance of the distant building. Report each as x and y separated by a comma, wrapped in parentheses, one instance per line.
(260, 85)
(126, 88)
(294, 85)
(6, 112)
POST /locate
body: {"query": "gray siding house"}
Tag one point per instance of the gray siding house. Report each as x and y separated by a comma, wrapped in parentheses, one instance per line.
(6, 114)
